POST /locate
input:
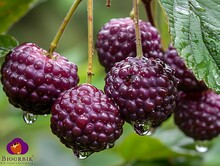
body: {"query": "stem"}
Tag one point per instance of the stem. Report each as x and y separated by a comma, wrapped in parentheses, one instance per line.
(148, 8)
(132, 11)
(137, 29)
(108, 3)
(90, 40)
(62, 27)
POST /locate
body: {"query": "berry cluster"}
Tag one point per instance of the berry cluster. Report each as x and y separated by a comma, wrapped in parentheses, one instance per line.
(143, 91)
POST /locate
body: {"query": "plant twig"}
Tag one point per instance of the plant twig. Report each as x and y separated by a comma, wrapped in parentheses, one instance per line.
(148, 8)
(62, 27)
(137, 29)
(90, 40)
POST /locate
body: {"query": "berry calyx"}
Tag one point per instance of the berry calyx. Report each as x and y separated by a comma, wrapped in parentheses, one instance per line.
(116, 41)
(198, 114)
(144, 89)
(32, 81)
(86, 120)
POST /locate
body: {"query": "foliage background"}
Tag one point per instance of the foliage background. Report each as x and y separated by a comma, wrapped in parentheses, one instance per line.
(168, 146)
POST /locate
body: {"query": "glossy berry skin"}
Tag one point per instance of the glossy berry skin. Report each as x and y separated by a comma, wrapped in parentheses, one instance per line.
(33, 81)
(187, 80)
(86, 120)
(198, 114)
(144, 89)
(116, 41)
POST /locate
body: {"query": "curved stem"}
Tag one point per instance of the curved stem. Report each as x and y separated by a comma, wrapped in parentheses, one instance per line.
(90, 40)
(137, 29)
(148, 8)
(62, 27)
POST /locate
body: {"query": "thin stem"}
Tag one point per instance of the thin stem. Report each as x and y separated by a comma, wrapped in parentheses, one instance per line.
(108, 3)
(132, 11)
(62, 27)
(90, 40)
(148, 8)
(137, 29)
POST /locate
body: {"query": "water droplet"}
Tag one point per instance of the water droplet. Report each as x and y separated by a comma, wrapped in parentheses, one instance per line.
(142, 128)
(110, 145)
(29, 118)
(82, 154)
(45, 114)
(201, 146)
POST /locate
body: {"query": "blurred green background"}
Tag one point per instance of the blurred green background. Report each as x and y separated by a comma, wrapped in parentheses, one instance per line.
(167, 146)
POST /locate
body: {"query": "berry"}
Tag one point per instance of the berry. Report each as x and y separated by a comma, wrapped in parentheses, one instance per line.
(187, 80)
(86, 120)
(116, 41)
(33, 81)
(198, 114)
(144, 89)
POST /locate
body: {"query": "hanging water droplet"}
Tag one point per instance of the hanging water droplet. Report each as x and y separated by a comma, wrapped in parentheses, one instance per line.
(82, 154)
(142, 128)
(29, 118)
(151, 131)
(201, 146)
(110, 145)
(45, 114)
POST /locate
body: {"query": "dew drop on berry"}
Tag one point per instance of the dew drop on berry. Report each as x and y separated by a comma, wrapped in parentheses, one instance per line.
(201, 146)
(143, 128)
(29, 118)
(110, 145)
(82, 154)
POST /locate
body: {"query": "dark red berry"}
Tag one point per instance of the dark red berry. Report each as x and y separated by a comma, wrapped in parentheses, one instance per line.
(187, 80)
(32, 81)
(144, 89)
(86, 120)
(116, 41)
(198, 114)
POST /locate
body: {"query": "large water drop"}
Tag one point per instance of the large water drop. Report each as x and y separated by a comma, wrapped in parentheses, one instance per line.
(143, 128)
(29, 118)
(201, 146)
(82, 154)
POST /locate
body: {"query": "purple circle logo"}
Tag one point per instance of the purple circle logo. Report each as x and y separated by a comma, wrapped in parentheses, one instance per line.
(17, 146)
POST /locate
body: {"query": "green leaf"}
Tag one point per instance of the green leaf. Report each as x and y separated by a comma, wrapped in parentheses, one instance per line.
(195, 29)
(161, 23)
(12, 10)
(7, 43)
(135, 147)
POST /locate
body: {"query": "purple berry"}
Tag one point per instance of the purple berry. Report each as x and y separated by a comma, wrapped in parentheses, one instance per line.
(198, 114)
(187, 80)
(86, 120)
(144, 89)
(33, 81)
(116, 41)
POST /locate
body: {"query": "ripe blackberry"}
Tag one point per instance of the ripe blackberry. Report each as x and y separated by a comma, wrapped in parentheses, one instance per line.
(32, 81)
(144, 89)
(198, 114)
(116, 41)
(86, 120)
(187, 80)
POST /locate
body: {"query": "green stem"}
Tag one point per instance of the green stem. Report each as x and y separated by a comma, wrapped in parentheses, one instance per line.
(108, 3)
(148, 8)
(90, 40)
(66, 20)
(137, 29)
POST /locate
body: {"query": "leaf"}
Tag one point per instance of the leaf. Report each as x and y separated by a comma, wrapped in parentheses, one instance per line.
(195, 29)
(12, 10)
(7, 43)
(161, 23)
(135, 147)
